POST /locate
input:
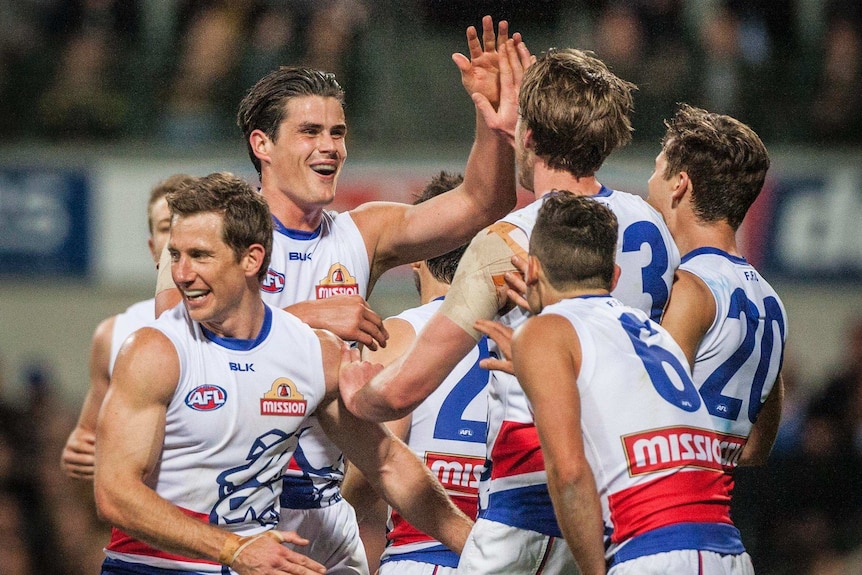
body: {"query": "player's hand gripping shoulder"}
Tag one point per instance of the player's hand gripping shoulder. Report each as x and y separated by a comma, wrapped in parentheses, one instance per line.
(347, 316)
(502, 336)
(264, 554)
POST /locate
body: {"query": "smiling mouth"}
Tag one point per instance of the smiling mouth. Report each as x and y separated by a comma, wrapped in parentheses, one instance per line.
(324, 169)
(195, 295)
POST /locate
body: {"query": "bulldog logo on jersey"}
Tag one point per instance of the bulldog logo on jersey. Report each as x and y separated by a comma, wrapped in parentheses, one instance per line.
(206, 398)
(283, 399)
(273, 282)
(337, 282)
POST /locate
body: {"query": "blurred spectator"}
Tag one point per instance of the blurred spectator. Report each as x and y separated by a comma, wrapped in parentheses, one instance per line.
(86, 97)
(836, 108)
(198, 101)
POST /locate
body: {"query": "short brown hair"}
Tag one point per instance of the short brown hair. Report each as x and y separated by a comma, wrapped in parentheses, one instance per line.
(575, 239)
(725, 160)
(577, 109)
(245, 213)
(162, 189)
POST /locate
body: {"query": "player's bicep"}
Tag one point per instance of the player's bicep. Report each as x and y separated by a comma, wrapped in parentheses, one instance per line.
(689, 313)
(132, 418)
(546, 356)
(401, 336)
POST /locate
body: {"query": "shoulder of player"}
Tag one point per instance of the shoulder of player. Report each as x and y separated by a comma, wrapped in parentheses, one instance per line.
(543, 331)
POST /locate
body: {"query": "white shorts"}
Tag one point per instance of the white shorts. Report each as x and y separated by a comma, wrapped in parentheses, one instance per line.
(494, 548)
(688, 561)
(414, 568)
(333, 537)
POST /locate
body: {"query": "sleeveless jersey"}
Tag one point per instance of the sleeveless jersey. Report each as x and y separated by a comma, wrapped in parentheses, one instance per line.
(126, 323)
(230, 428)
(647, 257)
(332, 260)
(658, 463)
(739, 358)
(447, 432)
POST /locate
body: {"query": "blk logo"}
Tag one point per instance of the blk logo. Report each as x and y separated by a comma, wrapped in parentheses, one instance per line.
(241, 366)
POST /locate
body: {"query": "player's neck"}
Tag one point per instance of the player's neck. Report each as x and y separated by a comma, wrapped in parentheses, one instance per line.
(291, 214)
(715, 235)
(546, 180)
(244, 321)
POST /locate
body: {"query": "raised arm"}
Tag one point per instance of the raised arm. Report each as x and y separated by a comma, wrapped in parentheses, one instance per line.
(397, 234)
(130, 435)
(546, 354)
(79, 454)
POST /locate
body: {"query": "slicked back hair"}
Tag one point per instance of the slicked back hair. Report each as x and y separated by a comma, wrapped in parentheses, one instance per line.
(265, 104)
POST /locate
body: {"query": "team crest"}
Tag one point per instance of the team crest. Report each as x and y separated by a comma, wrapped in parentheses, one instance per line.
(283, 399)
(337, 282)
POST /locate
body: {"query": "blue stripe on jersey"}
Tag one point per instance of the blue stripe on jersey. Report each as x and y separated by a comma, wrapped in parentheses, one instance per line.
(237, 344)
(437, 555)
(717, 537)
(508, 507)
(116, 567)
(295, 234)
(713, 251)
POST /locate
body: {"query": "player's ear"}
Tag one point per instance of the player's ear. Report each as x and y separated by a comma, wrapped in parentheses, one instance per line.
(260, 144)
(531, 277)
(253, 259)
(681, 186)
(616, 277)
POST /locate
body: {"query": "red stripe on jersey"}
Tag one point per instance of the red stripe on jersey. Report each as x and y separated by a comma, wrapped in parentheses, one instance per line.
(403, 533)
(122, 542)
(516, 450)
(681, 497)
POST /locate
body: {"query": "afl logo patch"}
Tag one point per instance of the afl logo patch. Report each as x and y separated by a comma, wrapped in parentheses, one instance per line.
(206, 398)
(273, 282)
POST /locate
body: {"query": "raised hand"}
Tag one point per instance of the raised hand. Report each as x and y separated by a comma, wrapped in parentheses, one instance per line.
(517, 287)
(480, 72)
(502, 116)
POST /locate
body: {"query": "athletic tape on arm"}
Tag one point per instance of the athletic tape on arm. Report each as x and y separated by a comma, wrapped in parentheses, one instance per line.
(473, 294)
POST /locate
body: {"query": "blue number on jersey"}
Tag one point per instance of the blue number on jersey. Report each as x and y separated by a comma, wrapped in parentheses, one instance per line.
(726, 407)
(450, 420)
(655, 358)
(635, 236)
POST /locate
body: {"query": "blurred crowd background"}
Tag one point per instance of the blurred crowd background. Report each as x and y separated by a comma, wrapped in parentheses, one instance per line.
(169, 73)
(172, 71)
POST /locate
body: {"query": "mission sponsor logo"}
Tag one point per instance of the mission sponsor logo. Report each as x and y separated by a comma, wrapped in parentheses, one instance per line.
(337, 282)
(273, 282)
(283, 399)
(206, 398)
(457, 473)
(675, 447)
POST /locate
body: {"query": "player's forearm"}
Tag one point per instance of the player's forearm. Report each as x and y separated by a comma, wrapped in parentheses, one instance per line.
(578, 510)
(489, 177)
(410, 488)
(140, 512)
